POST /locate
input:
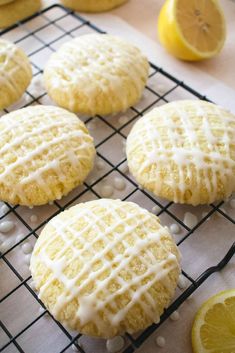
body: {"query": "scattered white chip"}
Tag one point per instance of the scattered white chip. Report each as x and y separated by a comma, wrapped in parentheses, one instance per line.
(27, 259)
(6, 226)
(124, 167)
(100, 164)
(33, 218)
(156, 209)
(160, 341)
(92, 125)
(190, 220)
(106, 191)
(115, 344)
(4, 209)
(119, 183)
(19, 237)
(175, 228)
(27, 248)
(175, 316)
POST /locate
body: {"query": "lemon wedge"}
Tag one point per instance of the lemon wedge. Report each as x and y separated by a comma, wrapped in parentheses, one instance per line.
(192, 29)
(214, 325)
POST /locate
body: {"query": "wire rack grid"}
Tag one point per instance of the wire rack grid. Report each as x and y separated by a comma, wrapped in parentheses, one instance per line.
(21, 311)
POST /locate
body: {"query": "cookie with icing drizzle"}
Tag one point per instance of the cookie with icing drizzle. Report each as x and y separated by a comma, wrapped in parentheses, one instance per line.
(105, 267)
(184, 151)
(45, 152)
(96, 74)
(17, 10)
(15, 73)
(92, 5)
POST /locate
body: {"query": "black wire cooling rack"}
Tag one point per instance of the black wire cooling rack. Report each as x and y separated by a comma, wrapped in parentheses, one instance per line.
(40, 35)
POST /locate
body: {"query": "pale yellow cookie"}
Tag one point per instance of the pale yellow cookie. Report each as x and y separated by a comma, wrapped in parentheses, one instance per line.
(105, 267)
(96, 74)
(45, 152)
(17, 10)
(15, 73)
(92, 5)
(3, 2)
(184, 151)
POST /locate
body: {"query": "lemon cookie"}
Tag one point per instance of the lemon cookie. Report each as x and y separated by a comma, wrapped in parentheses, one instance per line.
(3, 2)
(184, 151)
(93, 5)
(15, 73)
(96, 74)
(105, 267)
(45, 152)
(17, 10)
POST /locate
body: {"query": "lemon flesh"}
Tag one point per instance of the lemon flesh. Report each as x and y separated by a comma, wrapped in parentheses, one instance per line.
(192, 29)
(214, 325)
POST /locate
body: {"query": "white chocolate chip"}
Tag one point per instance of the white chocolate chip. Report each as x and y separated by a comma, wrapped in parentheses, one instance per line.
(175, 316)
(4, 209)
(190, 220)
(106, 191)
(175, 228)
(115, 344)
(27, 248)
(6, 226)
(160, 341)
(34, 218)
(156, 209)
(100, 164)
(119, 183)
(124, 167)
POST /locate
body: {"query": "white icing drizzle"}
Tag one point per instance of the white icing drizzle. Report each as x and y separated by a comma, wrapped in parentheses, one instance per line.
(90, 304)
(207, 162)
(10, 65)
(23, 126)
(101, 60)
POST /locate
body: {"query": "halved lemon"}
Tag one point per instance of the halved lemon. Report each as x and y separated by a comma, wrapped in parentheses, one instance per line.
(214, 325)
(192, 29)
